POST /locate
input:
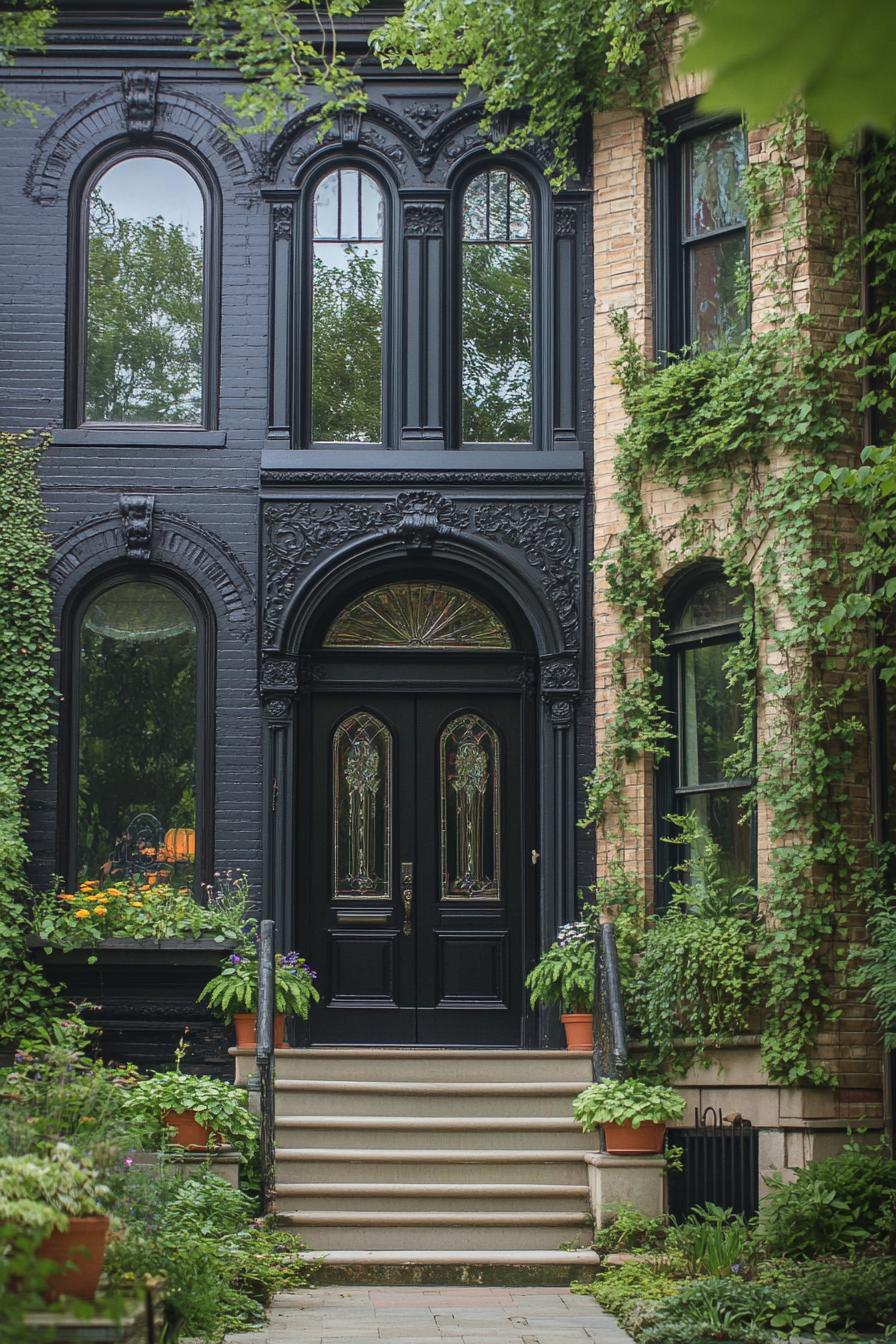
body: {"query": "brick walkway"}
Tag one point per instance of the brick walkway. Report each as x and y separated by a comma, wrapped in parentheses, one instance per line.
(465, 1315)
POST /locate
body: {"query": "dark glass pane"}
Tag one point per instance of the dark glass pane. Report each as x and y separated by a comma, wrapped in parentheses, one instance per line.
(717, 268)
(498, 206)
(362, 808)
(326, 207)
(143, 355)
(475, 209)
(520, 211)
(710, 715)
(714, 181)
(137, 736)
(373, 209)
(418, 616)
(349, 205)
(497, 342)
(347, 342)
(712, 604)
(719, 816)
(470, 811)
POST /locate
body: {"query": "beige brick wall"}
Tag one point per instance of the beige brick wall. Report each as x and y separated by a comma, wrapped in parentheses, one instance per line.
(800, 257)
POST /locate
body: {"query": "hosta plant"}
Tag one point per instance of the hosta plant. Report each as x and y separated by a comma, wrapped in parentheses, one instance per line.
(40, 1194)
(219, 1106)
(564, 974)
(628, 1101)
(235, 988)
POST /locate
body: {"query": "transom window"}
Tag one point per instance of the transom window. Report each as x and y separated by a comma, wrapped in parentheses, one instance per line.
(418, 615)
(349, 239)
(145, 295)
(708, 717)
(496, 309)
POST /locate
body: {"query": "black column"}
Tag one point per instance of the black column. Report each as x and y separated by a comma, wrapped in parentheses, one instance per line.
(423, 386)
(280, 344)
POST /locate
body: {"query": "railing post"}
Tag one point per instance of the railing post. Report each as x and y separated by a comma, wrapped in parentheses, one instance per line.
(610, 1057)
(264, 1058)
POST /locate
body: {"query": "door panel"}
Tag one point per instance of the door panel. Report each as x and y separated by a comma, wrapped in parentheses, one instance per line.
(414, 906)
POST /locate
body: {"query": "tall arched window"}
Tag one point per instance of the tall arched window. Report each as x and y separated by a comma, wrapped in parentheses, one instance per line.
(496, 309)
(144, 304)
(349, 241)
(138, 698)
(707, 717)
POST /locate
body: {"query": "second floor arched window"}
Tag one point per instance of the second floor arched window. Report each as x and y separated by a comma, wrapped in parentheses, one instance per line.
(496, 309)
(144, 295)
(349, 241)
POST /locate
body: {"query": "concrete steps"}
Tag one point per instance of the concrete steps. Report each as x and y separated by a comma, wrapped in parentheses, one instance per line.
(453, 1153)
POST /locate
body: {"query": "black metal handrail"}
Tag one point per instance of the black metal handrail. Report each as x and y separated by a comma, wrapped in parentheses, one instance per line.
(610, 1057)
(264, 1058)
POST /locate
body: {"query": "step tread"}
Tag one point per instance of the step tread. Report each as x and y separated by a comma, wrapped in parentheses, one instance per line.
(459, 1155)
(408, 1052)
(434, 1122)
(376, 1218)
(427, 1190)
(505, 1089)
(435, 1257)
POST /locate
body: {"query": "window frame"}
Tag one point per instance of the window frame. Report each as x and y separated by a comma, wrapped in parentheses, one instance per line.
(669, 794)
(542, 258)
(69, 737)
(76, 326)
(302, 316)
(673, 319)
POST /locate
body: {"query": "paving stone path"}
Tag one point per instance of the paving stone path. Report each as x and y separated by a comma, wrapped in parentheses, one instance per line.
(408, 1315)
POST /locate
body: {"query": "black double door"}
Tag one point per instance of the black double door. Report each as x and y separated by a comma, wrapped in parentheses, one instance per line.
(417, 859)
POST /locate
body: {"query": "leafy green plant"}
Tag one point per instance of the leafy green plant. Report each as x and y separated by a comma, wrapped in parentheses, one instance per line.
(712, 1241)
(840, 1204)
(219, 1106)
(564, 974)
(235, 988)
(629, 1230)
(41, 1194)
(640, 1280)
(620, 1101)
(828, 1294)
(711, 1309)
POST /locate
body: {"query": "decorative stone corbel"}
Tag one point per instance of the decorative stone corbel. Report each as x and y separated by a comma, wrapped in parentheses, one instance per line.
(140, 89)
(136, 524)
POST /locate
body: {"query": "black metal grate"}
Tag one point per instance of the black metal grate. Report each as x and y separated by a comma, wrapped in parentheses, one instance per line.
(719, 1165)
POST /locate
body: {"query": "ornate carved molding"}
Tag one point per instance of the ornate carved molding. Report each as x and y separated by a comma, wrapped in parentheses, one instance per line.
(424, 114)
(277, 708)
(424, 221)
(282, 217)
(279, 674)
(559, 674)
(136, 524)
(565, 220)
(571, 479)
(140, 89)
(546, 533)
(562, 712)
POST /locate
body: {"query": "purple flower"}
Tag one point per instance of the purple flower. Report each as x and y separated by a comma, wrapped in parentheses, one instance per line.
(235, 959)
(129, 1161)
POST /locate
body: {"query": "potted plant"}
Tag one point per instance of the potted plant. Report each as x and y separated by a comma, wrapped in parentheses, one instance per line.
(634, 1114)
(201, 1112)
(564, 975)
(233, 993)
(60, 1201)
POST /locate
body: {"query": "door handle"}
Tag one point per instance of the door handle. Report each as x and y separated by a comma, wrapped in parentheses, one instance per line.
(407, 896)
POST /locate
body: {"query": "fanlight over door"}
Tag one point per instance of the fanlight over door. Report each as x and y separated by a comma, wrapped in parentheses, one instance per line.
(417, 615)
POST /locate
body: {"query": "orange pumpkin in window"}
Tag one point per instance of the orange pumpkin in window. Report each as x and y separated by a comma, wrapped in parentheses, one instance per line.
(180, 844)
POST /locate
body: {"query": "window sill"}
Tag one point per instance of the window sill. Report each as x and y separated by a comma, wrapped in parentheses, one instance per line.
(147, 436)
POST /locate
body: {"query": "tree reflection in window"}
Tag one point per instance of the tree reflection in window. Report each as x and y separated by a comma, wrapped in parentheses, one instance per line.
(136, 750)
(715, 235)
(144, 294)
(417, 615)
(362, 808)
(470, 839)
(497, 309)
(347, 308)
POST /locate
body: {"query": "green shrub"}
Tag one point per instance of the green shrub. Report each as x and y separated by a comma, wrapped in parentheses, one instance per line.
(640, 1280)
(837, 1204)
(564, 974)
(712, 1241)
(629, 1230)
(619, 1101)
(222, 1268)
(858, 1294)
(707, 1309)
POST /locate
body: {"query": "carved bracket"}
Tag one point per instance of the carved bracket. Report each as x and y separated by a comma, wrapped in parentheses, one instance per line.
(282, 217)
(141, 91)
(279, 674)
(136, 524)
(424, 221)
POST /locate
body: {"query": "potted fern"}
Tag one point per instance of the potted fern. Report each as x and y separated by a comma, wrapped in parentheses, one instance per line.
(59, 1201)
(233, 993)
(633, 1114)
(564, 975)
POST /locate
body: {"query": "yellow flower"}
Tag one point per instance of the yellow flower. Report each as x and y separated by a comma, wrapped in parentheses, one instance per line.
(112, 891)
(87, 886)
(82, 914)
(65, 896)
(137, 905)
(99, 910)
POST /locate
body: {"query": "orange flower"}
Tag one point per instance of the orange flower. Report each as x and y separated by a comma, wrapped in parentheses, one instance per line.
(88, 886)
(136, 905)
(112, 891)
(99, 910)
(82, 914)
(65, 896)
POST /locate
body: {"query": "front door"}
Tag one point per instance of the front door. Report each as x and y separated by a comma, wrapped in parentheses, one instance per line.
(416, 855)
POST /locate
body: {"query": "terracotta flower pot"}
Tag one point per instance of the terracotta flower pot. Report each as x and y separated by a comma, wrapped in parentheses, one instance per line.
(626, 1141)
(579, 1031)
(187, 1130)
(81, 1247)
(246, 1034)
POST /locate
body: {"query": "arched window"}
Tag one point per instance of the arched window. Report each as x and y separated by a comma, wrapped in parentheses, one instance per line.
(349, 241)
(707, 717)
(417, 615)
(138, 692)
(145, 295)
(496, 309)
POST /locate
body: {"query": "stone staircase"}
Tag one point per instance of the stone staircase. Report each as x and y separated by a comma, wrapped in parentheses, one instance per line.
(434, 1158)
